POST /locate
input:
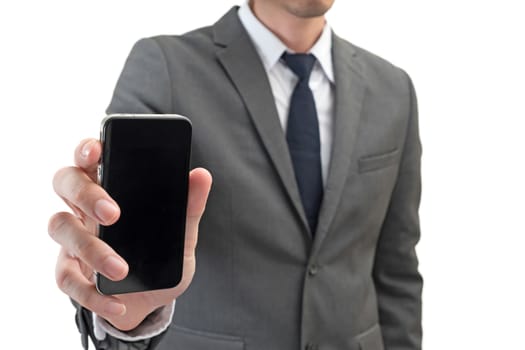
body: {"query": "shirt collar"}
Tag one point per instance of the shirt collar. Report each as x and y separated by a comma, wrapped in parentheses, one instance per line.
(270, 47)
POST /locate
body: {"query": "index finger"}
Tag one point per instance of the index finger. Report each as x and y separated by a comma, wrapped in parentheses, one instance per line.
(87, 156)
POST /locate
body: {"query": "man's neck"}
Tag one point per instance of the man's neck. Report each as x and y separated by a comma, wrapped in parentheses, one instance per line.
(298, 34)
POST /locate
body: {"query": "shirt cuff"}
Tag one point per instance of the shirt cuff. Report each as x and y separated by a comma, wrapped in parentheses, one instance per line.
(153, 325)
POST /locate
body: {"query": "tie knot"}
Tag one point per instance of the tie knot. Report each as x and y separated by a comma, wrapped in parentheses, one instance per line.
(300, 63)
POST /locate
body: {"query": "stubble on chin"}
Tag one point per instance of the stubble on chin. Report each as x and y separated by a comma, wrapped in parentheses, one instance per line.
(308, 8)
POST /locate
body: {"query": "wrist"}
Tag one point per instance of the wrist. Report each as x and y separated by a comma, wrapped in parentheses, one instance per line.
(152, 325)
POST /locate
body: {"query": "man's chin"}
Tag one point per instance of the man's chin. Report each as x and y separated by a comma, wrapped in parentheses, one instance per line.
(309, 8)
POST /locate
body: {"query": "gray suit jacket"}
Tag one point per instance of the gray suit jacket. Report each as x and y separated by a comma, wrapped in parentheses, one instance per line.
(262, 282)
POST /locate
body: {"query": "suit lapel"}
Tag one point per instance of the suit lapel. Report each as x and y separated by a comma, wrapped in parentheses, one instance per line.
(349, 93)
(242, 64)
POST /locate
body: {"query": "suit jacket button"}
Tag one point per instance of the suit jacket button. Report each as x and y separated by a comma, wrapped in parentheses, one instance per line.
(312, 271)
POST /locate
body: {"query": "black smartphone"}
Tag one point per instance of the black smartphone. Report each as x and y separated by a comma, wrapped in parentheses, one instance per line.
(145, 168)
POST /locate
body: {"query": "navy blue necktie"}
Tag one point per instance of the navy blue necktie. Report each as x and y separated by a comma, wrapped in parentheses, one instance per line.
(302, 134)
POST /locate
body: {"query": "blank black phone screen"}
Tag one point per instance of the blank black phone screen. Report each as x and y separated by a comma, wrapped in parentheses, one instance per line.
(145, 169)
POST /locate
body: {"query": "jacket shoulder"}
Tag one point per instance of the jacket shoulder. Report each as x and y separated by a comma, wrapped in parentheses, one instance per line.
(375, 68)
(195, 38)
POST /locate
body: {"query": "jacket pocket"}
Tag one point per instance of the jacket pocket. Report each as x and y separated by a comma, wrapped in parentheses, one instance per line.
(371, 339)
(189, 339)
(378, 161)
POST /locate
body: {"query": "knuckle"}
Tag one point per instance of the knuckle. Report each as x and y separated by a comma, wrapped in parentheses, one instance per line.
(64, 280)
(81, 192)
(89, 298)
(60, 175)
(85, 246)
(56, 224)
(189, 253)
(86, 298)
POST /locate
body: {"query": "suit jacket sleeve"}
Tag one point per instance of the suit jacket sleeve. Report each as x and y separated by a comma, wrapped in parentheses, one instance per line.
(397, 280)
(143, 87)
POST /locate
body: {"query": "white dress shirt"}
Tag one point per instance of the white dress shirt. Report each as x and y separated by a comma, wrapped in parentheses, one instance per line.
(282, 82)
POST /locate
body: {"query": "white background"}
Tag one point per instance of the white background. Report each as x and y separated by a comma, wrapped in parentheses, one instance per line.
(59, 61)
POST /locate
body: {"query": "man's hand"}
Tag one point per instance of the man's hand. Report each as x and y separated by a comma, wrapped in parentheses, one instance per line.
(83, 252)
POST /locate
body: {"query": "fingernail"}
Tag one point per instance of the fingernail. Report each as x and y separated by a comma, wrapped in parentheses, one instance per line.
(105, 210)
(114, 268)
(115, 308)
(86, 149)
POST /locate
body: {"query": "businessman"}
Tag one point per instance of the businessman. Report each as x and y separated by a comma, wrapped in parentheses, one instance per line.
(309, 234)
